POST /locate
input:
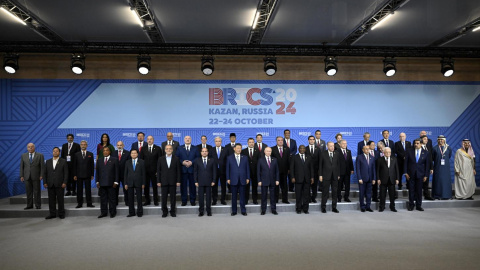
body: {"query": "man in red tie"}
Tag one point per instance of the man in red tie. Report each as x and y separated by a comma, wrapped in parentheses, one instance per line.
(282, 154)
(259, 145)
(122, 155)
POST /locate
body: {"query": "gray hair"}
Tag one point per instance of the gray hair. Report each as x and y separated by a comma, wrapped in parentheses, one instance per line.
(380, 143)
(218, 137)
(387, 148)
(84, 141)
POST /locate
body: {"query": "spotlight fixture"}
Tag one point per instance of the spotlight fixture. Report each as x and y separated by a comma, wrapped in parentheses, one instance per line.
(10, 63)
(143, 64)
(447, 67)
(78, 63)
(389, 66)
(381, 21)
(270, 65)
(331, 65)
(207, 65)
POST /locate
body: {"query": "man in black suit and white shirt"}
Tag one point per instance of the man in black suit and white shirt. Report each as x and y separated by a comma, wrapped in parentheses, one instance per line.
(203, 144)
(171, 142)
(69, 150)
(259, 145)
(134, 179)
(32, 169)
(219, 155)
(313, 152)
(387, 142)
(346, 169)
(329, 174)
(204, 174)
(107, 181)
(253, 154)
(83, 174)
(122, 155)
(282, 154)
(401, 148)
(387, 177)
(150, 154)
(169, 178)
(301, 173)
(55, 180)
(361, 144)
(138, 145)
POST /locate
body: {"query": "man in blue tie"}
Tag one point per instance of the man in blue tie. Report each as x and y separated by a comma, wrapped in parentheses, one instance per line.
(204, 174)
(187, 154)
(366, 178)
(238, 173)
(417, 164)
(134, 180)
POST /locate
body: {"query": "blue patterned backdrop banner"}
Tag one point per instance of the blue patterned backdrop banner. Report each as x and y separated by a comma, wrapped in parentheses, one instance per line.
(44, 111)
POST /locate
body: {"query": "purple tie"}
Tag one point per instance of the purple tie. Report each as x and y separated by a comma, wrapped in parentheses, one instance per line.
(268, 161)
(281, 151)
(345, 154)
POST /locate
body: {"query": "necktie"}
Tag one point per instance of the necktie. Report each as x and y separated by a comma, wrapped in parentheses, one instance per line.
(169, 143)
(403, 144)
(238, 160)
(83, 154)
(318, 143)
(106, 159)
(140, 148)
(372, 152)
(218, 152)
(311, 149)
(188, 150)
(119, 155)
(260, 146)
(134, 165)
(205, 163)
(331, 157)
(251, 153)
(233, 145)
(368, 159)
(268, 161)
(288, 143)
(150, 149)
(386, 143)
(418, 154)
(31, 159)
(345, 154)
(281, 151)
(303, 159)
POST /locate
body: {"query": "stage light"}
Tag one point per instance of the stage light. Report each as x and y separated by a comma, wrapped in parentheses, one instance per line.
(476, 29)
(78, 63)
(447, 67)
(255, 21)
(143, 64)
(389, 66)
(207, 65)
(137, 17)
(270, 65)
(381, 21)
(10, 63)
(12, 15)
(331, 65)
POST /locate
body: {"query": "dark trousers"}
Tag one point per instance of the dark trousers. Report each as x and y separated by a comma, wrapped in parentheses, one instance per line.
(315, 186)
(188, 188)
(223, 185)
(235, 190)
(125, 193)
(88, 190)
(33, 192)
(302, 195)
(151, 180)
(172, 190)
(131, 200)
(108, 198)
(383, 194)
(344, 182)
(291, 186)
(202, 190)
(283, 186)
(426, 193)
(325, 193)
(71, 185)
(56, 195)
(254, 182)
(365, 194)
(265, 190)
(375, 192)
(415, 186)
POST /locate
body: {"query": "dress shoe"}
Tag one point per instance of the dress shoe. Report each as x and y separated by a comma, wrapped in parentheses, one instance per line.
(339, 200)
(285, 201)
(262, 213)
(255, 202)
(223, 203)
(233, 214)
(396, 196)
(200, 214)
(314, 201)
(139, 215)
(244, 214)
(380, 210)
(102, 216)
(369, 210)
(470, 198)
(164, 215)
(28, 207)
(299, 212)
(68, 193)
(173, 214)
(409, 208)
(393, 210)
(156, 204)
(79, 206)
(399, 188)
(363, 210)
(209, 214)
(193, 204)
(274, 212)
(246, 202)
(184, 203)
(90, 205)
(290, 190)
(38, 207)
(126, 203)
(347, 200)
(324, 210)
(112, 215)
(335, 210)
(61, 217)
(428, 198)
(214, 203)
(145, 204)
(129, 215)
(50, 217)
(306, 212)
(420, 209)
(376, 200)
(74, 193)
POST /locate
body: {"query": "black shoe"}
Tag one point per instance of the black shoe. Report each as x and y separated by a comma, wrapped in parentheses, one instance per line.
(90, 205)
(214, 203)
(399, 188)
(50, 217)
(209, 214)
(274, 212)
(262, 213)
(28, 207)
(164, 215)
(306, 212)
(61, 217)
(363, 210)
(396, 196)
(200, 214)
(299, 212)
(173, 214)
(409, 208)
(428, 198)
(290, 190)
(335, 210)
(324, 210)
(130, 215)
(314, 201)
(420, 209)
(223, 203)
(339, 200)
(38, 207)
(255, 202)
(246, 202)
(79, 206)
(184, 203)
(470, 198)
(347, 200)
(369, 210)
(139, 215)
(380, 210)
(74, 193)
(244, 214)
(193, 203)
(233, 214)
(285, 201)
(393, 210)
(126, 203)
(376, 200)
(68, 193)
(145, 204)
(156, 204)
(102, 216)
(112, 215)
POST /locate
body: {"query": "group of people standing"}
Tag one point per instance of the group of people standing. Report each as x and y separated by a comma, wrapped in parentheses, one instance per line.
(318, 166)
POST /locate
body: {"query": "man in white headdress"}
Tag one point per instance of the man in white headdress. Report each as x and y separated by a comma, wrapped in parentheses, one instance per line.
(465, 172)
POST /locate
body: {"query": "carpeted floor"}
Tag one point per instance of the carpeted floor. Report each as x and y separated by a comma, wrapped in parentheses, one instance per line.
(434, 239)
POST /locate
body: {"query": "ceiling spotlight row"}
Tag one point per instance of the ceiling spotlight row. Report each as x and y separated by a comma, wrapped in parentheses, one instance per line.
(77, 64)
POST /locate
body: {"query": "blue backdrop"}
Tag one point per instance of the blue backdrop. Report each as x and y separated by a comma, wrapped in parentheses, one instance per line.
(44, 111)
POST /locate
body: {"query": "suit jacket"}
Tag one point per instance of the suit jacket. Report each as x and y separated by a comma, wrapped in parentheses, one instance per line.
(229, 149)
(376, 154)
(365, 170)
(315, 158)
(268, 176)
(199, 147)
(84, 167)
(134, 178)
(58, 176)
(416, 169)
(401, 153)
(64, 153)
(293, 146)
(135, 146)
(262, 153)
(430, 153)
(220, 161)
(301, 171)
(284, 160)
(34, 170)
(169, 176)
(337, 146)
(252, 162)
(122, 162)
(391, 144)
(107, 174)
(360, 146)
(327, 168)
(322, 145)
(237, 173)
(151, 159)
(386, 174)
(175, 145)
(346, 165)
(429, 144)
(202, 175)
(183, 155)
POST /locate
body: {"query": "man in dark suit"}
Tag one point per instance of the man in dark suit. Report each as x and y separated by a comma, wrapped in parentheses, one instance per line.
(123, 155)
(171, 142)
(329, 173)
(134, 179)
(387, 142)
(292, 146)
(32, 169)
(319, 143)
(219, 155)
(139, 144)
(417, 165)
(169, 178)
(365, 165)
(313, 152)
(361, 144)
(282, 154)
(69, 150)
(338, 138)
(107, 181)
(401, 148)
(83, 174)
(346, 169)
(253, 156)
(187, 154)
(387, 178)
(203, 144)
(230, 146)
(55, 179)
(150, 154)
(427, 146)
(429, 143)
(204, 174)
(376, 155)
(268, 179)
(259, 145)
(238, 173)
(301, 173)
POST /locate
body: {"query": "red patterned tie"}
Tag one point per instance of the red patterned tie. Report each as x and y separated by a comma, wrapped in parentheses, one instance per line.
(119, 156)
(106, 161)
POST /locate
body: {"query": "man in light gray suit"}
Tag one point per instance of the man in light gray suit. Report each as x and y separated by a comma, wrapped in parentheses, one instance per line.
(32, 168)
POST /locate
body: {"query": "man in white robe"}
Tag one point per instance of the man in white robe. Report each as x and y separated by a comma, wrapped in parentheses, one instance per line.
(465, 172)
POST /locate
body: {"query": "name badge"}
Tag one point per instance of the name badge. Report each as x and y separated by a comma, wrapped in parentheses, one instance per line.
(69, 158)
(442, 162)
